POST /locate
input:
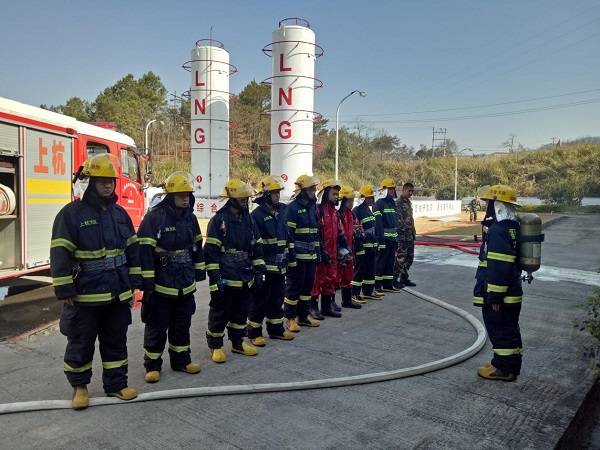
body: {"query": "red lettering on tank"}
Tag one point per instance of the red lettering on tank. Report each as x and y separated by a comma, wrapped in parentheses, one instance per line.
(198, 82)
(199, 136)
(281, 66)
(200, 105)
(287, 132)
(287, 98)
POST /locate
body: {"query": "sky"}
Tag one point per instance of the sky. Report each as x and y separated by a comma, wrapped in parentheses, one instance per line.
(452, 58)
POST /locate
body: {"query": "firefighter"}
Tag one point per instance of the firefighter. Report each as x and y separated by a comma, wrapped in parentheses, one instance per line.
(235, 265)
(366, 258)
(333, 246)
(304, 252)
(353, 234)
(172, 262)
(388, 222)
(498, 288)
(269, 220)
(405, 254)
(95, 265)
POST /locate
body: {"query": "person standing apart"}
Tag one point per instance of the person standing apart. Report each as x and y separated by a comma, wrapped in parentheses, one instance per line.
(405, 254)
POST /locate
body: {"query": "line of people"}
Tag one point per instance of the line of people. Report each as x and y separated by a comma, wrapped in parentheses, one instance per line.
(270, 266)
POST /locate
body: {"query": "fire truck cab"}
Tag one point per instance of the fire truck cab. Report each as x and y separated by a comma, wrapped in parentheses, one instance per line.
(39, 153)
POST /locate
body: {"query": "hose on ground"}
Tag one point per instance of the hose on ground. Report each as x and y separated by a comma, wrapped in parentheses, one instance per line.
(40, 405)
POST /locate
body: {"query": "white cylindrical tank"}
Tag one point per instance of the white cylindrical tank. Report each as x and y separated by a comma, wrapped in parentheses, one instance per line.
(209, 100)
(292, 100)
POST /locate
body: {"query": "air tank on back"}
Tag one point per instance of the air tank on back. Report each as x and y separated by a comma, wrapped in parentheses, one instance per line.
(530, 251)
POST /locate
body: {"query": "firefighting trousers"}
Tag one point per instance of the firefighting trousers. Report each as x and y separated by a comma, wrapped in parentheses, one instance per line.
(172, 317)
(298, 288)
(346, 273)
(268, 300)
(228, 310)
(385, 264)
(326, 279)
(405, 256)
(82, 325)
(505, 335)
(364, 273)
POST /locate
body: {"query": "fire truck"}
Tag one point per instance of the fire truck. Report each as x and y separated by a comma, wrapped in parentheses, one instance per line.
(40, 152)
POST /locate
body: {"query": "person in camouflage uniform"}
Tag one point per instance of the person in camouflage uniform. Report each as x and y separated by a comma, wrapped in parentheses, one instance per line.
(406, 237)
(473, 208)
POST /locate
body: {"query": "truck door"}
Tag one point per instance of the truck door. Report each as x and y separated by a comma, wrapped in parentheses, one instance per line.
(132, 196)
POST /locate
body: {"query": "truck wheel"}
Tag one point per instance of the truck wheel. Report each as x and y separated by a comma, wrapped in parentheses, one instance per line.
(8, 201)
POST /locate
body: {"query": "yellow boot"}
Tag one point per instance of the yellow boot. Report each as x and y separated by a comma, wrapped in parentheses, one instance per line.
(80, 398)
(286, 336)
(218, 355)
(191, 368)
(259, 341)
(245, 349)
(293, 325)
(308, 321)
(152, 377)
(127, 393)
(491, 373)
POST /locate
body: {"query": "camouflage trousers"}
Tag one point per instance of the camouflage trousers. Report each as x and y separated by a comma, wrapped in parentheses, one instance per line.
(405, 255)
(472, 215)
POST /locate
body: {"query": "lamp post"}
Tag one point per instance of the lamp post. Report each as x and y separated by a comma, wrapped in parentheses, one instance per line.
(337, 127)
(456, 168)
(146, 133)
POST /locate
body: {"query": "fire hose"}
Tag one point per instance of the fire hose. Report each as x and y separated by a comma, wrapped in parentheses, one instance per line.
(472, 350)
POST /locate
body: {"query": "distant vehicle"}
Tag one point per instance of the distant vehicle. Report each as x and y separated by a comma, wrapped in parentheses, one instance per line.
(40, 151)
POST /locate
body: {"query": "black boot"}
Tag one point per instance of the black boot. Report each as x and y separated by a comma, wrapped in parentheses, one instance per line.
(326, 309)
(334, 305)
(347, 301)
(314, 309)
(406, 281)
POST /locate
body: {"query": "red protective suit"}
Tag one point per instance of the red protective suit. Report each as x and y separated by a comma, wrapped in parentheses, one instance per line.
(349, 223)
(330, 229)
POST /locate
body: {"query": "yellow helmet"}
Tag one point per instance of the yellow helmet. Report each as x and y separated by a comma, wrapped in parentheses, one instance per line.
(236, 188)
(306, 181)
(502, 193)
(366, 190)
(331, 183)
(347, 192)
(100, 166)
(179, 182)
(270, 184)
(387, 183)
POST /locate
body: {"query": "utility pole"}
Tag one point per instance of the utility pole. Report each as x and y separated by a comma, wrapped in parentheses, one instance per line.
(434, 138)
(555, 142)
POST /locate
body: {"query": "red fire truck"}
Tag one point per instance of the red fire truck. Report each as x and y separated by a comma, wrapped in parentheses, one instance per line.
(39, 153)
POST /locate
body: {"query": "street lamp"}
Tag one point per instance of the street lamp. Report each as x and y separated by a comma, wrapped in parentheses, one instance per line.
(146, 133)
(456, 168)
(337, 127)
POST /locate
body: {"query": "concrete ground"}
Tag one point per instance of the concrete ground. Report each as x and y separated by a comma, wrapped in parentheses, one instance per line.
(451, 408)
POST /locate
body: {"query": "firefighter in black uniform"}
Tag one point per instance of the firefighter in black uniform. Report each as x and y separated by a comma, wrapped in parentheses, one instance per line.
(366, 261)
(388, 217)
(304, 254)
(270, 222)
(235, 267)
(498, 288)
(95, 265)
(172, 262)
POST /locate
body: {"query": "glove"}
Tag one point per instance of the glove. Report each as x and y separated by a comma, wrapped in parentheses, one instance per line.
(200, 275)
(325, 258)
(220, 283)
(495, 298)
(259, 280)
(146, 307)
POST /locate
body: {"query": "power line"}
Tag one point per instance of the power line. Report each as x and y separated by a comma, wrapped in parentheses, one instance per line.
(496, 114)
(457, 108)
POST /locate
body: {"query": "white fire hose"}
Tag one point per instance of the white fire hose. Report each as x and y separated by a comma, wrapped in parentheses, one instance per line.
(40, 405)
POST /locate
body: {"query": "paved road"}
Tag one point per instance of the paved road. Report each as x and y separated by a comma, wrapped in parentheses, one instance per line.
(451, 408)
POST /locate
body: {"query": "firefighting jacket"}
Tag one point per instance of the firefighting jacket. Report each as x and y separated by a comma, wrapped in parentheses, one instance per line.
(303, 232)
(233, 249)
(94, 254)
(272, 228)
(352, 231)
(330, 229)
(367, 219)
(498, 278)
(388, 218)
(171, 250)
